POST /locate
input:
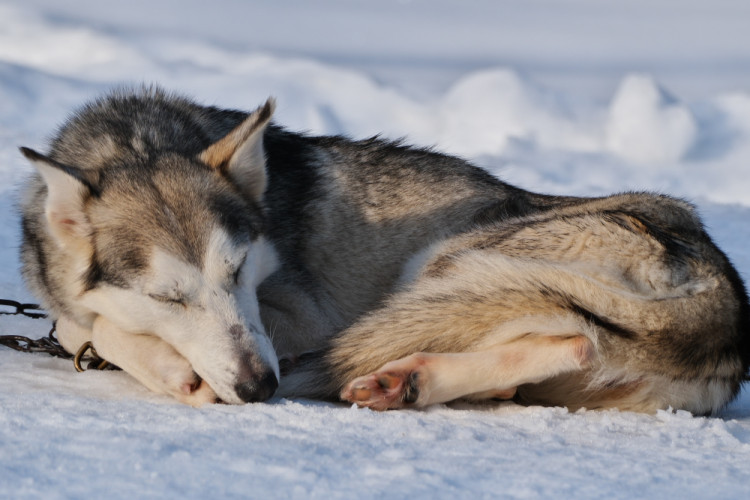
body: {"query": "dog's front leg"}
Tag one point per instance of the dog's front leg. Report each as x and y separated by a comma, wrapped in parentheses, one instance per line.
(423, 379)
(152, 362)
(71, 335)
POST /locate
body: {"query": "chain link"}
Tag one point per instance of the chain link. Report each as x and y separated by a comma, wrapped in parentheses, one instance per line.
(48, 344)
(29, 310)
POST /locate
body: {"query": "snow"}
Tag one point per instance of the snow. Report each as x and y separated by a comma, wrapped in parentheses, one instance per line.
(646, 125)
(577, 97)
(70, 434)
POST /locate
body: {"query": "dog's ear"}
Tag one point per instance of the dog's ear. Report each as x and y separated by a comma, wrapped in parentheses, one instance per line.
(67, 190)
(240, 155)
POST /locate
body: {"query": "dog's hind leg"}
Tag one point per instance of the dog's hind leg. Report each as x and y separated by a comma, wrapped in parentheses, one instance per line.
(152, 362)
(423, 379)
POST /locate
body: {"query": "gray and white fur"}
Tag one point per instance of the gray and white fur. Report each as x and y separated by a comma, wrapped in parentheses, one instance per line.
(180, 238)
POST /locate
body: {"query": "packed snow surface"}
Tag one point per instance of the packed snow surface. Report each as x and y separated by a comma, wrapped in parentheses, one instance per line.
(577, 97)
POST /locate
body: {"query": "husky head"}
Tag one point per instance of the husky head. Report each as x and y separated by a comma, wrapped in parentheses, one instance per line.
(171, 245)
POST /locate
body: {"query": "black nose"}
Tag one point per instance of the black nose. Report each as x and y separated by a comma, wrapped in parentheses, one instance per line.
(256, 390)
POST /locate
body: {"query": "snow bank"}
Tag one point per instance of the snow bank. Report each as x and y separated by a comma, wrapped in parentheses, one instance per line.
(487, 110)
(642, 137)
(647, 125)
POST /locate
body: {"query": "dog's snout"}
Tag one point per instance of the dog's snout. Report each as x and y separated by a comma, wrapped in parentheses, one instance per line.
(257, 389)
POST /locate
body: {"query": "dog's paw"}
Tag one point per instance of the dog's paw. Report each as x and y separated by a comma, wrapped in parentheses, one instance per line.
(196, 393)
(180, 381)
(383, 390)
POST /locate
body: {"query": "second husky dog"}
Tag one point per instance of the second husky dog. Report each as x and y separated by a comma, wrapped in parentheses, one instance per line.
(192, 243)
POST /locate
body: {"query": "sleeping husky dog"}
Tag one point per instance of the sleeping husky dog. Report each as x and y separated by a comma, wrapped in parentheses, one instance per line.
(192, 245)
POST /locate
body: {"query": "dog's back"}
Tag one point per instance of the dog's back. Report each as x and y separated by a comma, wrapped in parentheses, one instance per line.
(347, 215)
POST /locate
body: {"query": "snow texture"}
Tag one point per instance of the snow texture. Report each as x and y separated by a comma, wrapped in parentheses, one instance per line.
(578, 97)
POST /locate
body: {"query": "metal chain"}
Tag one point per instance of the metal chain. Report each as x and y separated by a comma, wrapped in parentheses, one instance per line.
(48, 344)
(28, 310)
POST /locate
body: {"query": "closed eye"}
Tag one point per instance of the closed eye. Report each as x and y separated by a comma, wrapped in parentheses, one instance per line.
(169, 299)
(238, 271)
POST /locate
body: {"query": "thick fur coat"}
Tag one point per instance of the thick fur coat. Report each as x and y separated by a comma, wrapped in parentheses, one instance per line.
(185, 240)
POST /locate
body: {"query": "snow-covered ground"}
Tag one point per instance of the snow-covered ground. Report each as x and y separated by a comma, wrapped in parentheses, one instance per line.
(579, 96)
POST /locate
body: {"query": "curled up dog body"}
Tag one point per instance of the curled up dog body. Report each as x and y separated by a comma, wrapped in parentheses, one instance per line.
(195, 246)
